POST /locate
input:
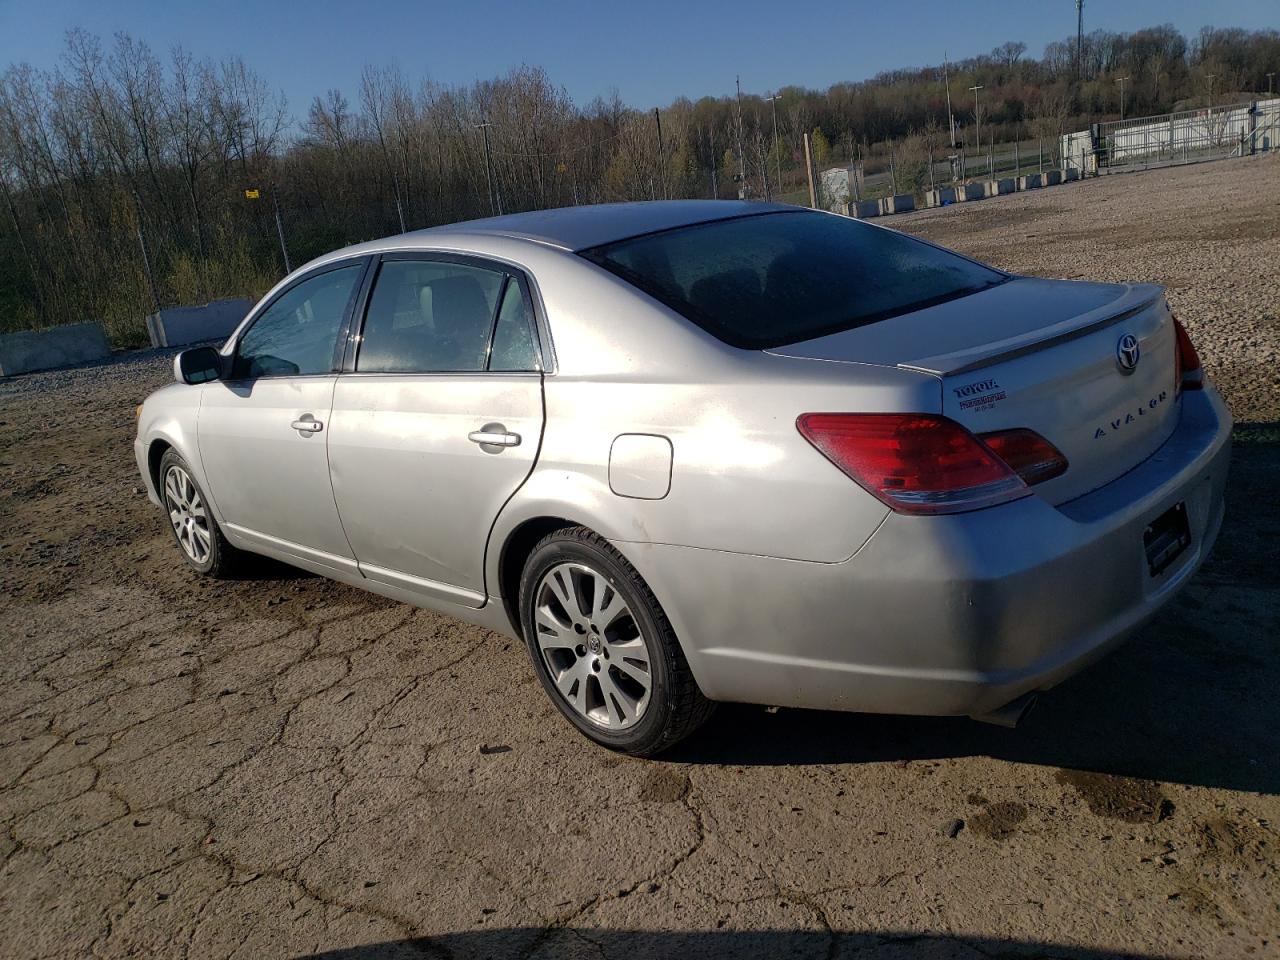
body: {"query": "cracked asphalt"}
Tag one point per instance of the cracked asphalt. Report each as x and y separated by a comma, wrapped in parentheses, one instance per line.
(284, 767)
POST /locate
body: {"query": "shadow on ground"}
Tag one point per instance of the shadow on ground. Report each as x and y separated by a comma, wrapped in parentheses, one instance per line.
(771, 944)
(1190, 700)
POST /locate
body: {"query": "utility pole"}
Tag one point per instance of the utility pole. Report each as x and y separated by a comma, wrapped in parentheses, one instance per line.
(773, 105)
(1270, 77)
(1079, 40)
(495, 197)
(284, 249)
(742, 157)
(951, 120)
(1121, 80)
(662, 155)
(146, 253)
(808, 168)
(977, 118)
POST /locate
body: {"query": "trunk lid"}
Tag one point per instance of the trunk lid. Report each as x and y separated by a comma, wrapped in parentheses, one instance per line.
(1040, 354)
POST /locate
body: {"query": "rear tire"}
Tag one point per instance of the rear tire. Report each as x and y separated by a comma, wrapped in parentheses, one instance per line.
(603, 647)
(196, 532)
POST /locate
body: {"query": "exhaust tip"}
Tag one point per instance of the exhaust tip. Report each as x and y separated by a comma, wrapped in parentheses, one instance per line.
(1011, 714)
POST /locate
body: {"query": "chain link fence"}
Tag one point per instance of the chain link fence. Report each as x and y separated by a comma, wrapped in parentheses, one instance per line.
(1191, 136)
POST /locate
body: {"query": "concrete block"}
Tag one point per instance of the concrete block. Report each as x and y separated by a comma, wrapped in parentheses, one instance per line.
(66, 346)
(1070, 175)
(940, 197)
(996, 188)
(1051, 178)
(900, 203)
(862, 209)
(970, 191)
(1030, 182)
(181, 325)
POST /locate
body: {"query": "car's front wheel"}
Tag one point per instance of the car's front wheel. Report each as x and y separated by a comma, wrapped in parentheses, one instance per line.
(603, 647)
(196, 531)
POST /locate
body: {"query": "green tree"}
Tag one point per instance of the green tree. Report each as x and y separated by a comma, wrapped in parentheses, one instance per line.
(821, 147)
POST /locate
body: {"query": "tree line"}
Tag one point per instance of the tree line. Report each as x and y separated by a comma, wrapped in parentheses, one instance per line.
(131, 180)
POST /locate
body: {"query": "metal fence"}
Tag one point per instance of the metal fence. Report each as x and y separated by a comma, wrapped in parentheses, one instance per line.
(1191, 136)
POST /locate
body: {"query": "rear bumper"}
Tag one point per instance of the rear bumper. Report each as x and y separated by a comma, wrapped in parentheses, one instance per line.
(948, 615)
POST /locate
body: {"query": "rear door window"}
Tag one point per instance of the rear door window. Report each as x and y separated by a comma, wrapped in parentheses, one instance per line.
(513, 347)
(429, 316)
(769, 279)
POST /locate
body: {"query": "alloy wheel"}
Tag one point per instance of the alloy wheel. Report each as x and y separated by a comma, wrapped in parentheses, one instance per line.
(187, 514)
(592, 645)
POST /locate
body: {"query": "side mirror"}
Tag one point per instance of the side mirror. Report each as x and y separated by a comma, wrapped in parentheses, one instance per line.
(198, 365)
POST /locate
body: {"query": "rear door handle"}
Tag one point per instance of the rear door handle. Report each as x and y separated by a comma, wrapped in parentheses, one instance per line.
(494, 437)
(307, 424)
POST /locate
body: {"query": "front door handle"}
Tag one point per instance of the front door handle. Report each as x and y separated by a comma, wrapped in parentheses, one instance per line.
(496, 437)
(307, 425)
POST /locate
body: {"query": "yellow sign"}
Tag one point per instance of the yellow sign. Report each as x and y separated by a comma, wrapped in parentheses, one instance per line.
(251, 194)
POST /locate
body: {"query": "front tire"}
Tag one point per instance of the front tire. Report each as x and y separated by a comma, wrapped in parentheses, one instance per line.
(191, 522)
(603, 647)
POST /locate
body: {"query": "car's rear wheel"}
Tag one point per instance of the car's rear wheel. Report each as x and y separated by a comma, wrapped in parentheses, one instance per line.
(603, 647)
(203, 546)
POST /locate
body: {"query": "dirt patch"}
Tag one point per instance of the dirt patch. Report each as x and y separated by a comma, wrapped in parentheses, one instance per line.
(1118, 798)
(999, 820)
(1235, 841)
(664, 786)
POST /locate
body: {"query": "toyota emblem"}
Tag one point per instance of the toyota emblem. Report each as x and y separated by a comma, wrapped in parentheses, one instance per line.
(1127, 353)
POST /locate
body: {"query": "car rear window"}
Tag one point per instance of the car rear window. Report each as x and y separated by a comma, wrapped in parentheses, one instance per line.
(769, 279)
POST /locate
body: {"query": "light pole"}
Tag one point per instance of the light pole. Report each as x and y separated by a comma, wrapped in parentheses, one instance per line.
(977, 117)
(1079, 40)
(951, 120)
(773, 105)
(1121, 80)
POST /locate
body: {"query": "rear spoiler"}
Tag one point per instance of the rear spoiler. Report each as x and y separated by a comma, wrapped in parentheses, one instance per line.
(1135, 299)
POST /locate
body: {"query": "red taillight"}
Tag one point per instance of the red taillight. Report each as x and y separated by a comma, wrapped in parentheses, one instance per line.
(1030, 455)
(1189, 374)
(914, 462)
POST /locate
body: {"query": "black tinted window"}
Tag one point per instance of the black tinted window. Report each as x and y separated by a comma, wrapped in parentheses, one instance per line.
(769, 279)
(512, 337)
(296, 335)
(429, 316)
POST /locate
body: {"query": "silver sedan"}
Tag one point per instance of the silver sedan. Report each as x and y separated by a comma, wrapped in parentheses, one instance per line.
(692, 452)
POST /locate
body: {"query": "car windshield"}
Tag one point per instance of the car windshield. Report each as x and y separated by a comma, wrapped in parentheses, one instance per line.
(769, 279)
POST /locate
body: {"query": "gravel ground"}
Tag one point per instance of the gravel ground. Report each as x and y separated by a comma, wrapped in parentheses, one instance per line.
(281, 766)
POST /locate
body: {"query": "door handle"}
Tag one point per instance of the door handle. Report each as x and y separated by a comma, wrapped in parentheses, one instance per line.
(307, 425)
(495, 437)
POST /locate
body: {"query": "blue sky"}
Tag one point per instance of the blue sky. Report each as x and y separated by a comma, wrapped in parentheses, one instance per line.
(649, 51)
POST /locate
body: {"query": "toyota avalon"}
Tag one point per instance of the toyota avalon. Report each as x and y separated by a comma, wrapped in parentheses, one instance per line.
(704, 451)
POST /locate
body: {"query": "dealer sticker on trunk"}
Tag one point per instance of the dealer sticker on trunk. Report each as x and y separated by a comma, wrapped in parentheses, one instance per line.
(982, 395)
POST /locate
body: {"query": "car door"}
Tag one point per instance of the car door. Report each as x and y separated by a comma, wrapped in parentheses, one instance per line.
(437, 422)
(262, 431)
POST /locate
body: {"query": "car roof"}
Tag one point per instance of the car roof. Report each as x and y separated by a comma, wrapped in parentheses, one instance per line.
(579, 228)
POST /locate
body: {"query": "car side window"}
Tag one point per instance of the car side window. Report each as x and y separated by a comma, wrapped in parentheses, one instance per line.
(513, 348)
(429, 316)
(296, 335)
